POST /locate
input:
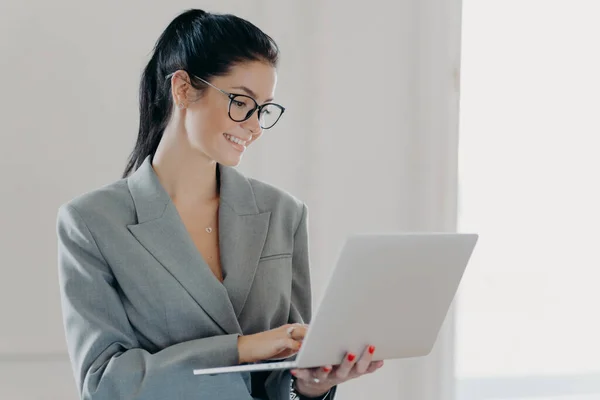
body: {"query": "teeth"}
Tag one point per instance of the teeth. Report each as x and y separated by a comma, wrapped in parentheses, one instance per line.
(235, 140)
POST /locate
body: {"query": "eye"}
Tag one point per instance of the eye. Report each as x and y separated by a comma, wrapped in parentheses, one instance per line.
(239, 104)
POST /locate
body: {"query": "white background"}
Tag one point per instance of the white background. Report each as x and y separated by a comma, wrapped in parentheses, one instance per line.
(528, 320)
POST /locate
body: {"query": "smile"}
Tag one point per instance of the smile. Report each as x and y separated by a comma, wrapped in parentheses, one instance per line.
(234, 139)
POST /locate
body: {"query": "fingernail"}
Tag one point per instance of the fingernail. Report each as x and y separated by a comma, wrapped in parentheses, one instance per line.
(293, 373)
(326, 369)
(351, 357)
(371, 349)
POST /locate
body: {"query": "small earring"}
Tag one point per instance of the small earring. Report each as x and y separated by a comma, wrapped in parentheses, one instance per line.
(181, 106)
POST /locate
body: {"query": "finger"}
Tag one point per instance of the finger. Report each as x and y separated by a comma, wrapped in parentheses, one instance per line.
(296, 331)
(365, 360)
(322, 373)
(346, 366)
(303, 374)
(283, 354)
(374, 366)
(289, 344)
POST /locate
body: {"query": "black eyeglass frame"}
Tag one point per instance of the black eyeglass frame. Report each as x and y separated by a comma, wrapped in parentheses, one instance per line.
(232, 97)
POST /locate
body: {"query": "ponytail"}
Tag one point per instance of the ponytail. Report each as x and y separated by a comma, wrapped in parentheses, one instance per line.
(153, 116)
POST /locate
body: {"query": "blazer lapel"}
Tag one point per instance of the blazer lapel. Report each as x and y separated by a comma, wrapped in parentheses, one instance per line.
(161, 231)
(242, 235)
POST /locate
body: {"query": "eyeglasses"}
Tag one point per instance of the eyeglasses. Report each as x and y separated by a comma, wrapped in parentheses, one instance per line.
(242, 107)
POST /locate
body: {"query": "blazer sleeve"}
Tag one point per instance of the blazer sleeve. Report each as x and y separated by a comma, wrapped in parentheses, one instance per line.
(278, 383)
(106, 357)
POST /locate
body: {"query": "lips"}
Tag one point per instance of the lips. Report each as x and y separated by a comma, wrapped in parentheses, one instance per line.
(236, 143)
(235, 139)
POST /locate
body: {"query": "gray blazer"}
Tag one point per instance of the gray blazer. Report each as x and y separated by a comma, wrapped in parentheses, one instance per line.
(142, 309)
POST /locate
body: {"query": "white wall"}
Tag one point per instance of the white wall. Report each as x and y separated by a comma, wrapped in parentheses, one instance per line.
(527, 324)
(370, 132)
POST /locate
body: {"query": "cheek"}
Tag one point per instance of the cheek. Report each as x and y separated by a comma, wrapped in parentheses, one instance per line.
(206, 127)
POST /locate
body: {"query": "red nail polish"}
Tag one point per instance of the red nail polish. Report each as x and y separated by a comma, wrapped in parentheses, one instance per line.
(293, 373)
(351, 357)
(371, 349)
(326, 369)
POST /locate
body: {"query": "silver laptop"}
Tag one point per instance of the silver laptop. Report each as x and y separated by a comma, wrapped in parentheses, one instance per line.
(392, 291)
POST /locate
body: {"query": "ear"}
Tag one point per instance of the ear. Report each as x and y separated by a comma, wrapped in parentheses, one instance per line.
(181, 87)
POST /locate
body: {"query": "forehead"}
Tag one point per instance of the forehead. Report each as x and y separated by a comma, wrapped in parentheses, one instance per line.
(258, 77)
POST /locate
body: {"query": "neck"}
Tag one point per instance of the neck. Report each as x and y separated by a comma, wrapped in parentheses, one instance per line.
(188, 176)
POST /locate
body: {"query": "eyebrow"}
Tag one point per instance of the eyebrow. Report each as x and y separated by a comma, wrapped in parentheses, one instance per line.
(250, 92)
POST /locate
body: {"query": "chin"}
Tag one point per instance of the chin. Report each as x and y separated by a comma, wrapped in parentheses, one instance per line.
(230, 161)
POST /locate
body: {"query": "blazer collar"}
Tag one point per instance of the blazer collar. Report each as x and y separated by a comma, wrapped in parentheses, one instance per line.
(148, 194)
(151, 199)
(242, 234)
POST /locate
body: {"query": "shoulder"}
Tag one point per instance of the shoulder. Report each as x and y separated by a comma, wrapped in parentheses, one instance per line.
(269, 196)
(109, 203)
(287, 210)
(282, 204)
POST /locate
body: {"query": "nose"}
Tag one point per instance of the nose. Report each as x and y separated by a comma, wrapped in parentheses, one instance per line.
(252, 124)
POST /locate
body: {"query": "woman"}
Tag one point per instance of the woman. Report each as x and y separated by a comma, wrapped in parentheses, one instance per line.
(185, 263)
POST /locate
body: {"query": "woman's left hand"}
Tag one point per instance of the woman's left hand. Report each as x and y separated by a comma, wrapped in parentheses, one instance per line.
(314, 382)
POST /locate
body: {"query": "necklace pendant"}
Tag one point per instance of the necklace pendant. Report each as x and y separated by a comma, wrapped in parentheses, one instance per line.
(209, 230)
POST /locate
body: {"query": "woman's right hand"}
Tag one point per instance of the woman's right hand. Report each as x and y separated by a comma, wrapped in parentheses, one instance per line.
(276, 343)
